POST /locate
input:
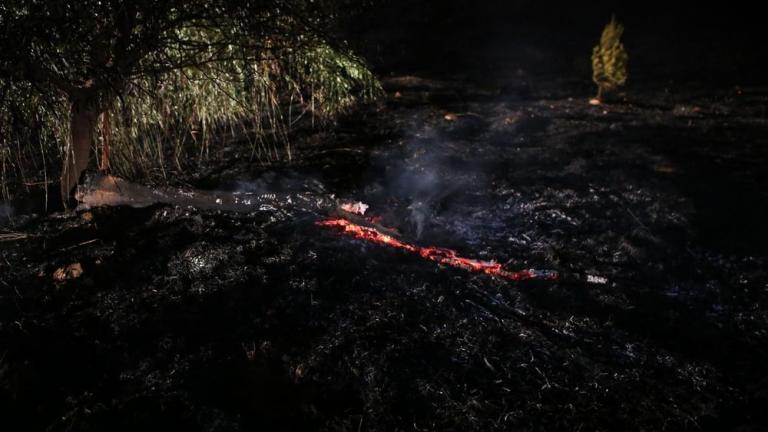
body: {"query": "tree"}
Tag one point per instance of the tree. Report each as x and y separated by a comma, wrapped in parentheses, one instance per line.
(609, 60)
(89, 55)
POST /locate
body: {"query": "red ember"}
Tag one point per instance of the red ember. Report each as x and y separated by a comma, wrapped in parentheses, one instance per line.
(439, 255)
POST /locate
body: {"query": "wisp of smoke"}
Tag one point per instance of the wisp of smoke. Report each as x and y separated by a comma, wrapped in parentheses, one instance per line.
(426, 177)
(6, 211)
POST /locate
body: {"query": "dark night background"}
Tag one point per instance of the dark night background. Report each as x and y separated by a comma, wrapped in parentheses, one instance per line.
(718, 43)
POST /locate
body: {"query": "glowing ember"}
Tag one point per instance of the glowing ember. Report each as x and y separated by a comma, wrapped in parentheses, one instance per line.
(439, 255)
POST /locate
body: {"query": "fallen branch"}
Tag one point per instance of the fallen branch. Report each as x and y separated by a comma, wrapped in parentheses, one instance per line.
(440, 255)
(13, 236)
(87, 242)
(110, 191)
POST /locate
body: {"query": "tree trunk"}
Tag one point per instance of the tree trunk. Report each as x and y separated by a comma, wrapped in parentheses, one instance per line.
(83, 121)
(105, 130)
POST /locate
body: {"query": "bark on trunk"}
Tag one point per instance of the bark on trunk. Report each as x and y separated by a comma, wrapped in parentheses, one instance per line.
(83, 121)
(105, 129)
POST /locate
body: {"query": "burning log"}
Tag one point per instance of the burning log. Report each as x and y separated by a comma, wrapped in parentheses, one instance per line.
(440, 255)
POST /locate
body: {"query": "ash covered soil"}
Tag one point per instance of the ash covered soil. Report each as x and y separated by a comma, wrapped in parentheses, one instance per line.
(218, 321)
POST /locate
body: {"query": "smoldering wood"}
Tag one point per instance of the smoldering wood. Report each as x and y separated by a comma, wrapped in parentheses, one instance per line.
(99, 190)
(109, 191)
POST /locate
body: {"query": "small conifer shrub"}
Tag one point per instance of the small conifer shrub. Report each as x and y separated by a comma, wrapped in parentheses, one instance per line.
(609, 61)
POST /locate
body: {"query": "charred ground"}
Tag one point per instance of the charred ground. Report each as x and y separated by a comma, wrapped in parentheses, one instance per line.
(215, 321)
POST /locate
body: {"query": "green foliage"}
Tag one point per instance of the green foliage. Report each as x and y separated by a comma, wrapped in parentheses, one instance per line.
(334, 79)
(173, 121)
(176, 77)
(31, 126)
(609, 59)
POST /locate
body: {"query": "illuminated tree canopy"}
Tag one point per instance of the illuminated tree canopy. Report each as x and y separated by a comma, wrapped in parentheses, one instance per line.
(148, 72)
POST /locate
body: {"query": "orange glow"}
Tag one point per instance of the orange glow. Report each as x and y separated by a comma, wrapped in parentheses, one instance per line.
(439, 255)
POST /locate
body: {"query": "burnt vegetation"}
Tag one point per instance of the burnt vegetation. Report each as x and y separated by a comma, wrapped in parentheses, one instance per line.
(384, 215)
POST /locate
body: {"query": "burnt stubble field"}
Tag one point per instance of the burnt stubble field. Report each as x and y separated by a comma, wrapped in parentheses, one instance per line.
(651, 209)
